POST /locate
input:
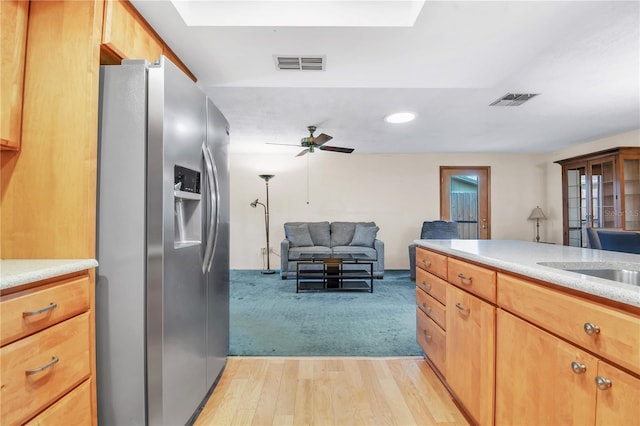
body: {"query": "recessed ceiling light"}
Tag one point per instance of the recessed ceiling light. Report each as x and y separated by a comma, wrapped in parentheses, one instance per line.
(400, 117)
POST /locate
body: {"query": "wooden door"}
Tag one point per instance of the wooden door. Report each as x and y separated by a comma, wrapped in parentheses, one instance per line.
(470, 352)
(535, 379)
(464, 198)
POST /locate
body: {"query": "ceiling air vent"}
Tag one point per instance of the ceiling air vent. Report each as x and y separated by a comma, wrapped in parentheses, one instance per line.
(300, 63)
(513, 99)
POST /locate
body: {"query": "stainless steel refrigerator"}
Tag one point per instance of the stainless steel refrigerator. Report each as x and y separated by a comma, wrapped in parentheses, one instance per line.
(162, 288)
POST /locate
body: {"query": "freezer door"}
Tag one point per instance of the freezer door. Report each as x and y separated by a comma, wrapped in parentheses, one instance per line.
(218, 275)
(176, 288)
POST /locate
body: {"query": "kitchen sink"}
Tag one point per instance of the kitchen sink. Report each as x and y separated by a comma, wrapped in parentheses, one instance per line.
(619, 275)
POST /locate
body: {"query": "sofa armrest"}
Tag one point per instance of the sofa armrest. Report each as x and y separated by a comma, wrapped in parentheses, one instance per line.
(284, 255)
(379, 246)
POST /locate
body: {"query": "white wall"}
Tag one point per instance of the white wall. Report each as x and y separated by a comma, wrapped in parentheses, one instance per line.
(554, 175)
(397, 191)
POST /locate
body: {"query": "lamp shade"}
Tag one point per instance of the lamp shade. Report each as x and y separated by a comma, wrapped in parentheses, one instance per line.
(537, 214)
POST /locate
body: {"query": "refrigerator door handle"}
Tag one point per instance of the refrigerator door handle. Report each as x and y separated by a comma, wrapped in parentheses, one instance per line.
(214, 200)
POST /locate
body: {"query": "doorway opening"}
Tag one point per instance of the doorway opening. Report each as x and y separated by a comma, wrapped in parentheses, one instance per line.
(464, 198)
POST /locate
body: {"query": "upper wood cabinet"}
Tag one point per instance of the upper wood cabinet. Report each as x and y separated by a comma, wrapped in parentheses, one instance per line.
(13, 14)
(600, 190)
(127, 35)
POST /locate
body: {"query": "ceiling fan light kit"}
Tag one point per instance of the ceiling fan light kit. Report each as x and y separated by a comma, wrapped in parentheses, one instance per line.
(400, 117)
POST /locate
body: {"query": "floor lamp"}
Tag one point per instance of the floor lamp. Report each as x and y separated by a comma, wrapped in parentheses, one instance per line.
(266, 221)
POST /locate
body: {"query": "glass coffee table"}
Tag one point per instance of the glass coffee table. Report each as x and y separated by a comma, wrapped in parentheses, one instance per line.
(334, 272)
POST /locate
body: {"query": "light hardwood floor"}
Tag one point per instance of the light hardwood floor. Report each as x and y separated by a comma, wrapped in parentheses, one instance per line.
(329, 391)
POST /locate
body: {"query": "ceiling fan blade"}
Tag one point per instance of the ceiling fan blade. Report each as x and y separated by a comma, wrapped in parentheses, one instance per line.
(322, 138)
(303, 152)
(336, 149)
(285, 144)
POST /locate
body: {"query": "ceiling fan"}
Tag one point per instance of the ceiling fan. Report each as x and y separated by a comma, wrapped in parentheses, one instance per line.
(311, 143)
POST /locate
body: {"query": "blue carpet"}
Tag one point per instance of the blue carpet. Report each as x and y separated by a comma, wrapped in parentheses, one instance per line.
(268, 317)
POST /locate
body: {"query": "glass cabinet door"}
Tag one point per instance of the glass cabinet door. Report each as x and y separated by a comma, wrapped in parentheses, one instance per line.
(631, 171)
(577, 205)
(604, 212)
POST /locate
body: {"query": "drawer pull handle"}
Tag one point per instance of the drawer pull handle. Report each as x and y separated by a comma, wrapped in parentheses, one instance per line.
(427, 336)
(40, 311)
(426, 262)
(591, 329)
(426, 285)
(578, 368)
(603, 383)
(426, 308)
(464, 279)
(54, 360)
(462, 308)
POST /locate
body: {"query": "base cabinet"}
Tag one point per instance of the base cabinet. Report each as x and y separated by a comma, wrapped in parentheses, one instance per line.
(541, 380)
(470, 352)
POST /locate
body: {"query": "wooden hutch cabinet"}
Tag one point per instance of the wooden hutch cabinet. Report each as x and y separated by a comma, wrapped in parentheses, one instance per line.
(600, 190)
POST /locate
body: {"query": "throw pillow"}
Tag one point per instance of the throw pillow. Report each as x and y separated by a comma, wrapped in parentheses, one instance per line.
(299, 236)
(364, 236)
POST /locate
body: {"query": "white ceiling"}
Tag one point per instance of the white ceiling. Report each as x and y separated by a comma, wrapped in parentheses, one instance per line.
(583, 57)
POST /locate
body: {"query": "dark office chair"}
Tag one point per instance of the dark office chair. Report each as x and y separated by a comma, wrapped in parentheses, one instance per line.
(432, 230)
(622, 241)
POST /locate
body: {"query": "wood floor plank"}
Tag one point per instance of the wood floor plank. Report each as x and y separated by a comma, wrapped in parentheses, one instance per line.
(323, 391)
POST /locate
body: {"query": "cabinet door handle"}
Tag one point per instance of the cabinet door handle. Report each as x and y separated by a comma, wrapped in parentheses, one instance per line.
(427, 336)
(578, 368)
(40, 311)
(603, 383)
(54, 360)
(591, 329)
(462, 308)
(464, 279)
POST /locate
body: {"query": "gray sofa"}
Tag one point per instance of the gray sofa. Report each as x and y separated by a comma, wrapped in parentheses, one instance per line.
(330, 238)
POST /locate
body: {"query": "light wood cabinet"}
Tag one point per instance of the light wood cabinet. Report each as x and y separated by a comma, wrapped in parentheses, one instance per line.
(470, 351)
(542, 379)
(535, 381)
(126, 35)
(528, 353)
(48, 353)
(618, 404)
(600, 190)
(431, 301)
(13, 16)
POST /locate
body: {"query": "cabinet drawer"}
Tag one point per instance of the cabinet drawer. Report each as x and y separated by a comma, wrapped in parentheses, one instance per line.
(25, 391)
(432, 340)
(432, 262)
(73, 409)
(567, 316)
(430, 306)
(25, 313)
(474, 279)
(432, 285)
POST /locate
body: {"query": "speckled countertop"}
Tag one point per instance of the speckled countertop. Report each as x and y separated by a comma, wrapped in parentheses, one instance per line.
(524, 257)
(15, 272)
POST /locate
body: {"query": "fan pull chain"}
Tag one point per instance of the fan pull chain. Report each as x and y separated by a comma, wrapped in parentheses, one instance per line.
(308, 178)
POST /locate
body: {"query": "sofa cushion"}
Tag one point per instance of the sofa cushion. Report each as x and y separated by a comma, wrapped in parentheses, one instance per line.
(364, 236)
(298, 235)
(342, 232)
(319, 232)
(295, 252)
(355, 249)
